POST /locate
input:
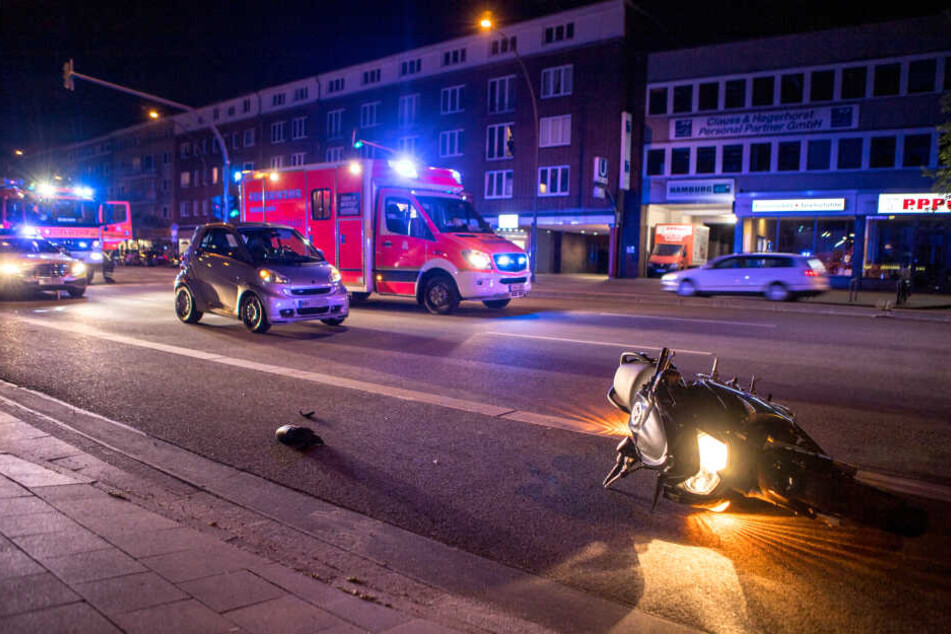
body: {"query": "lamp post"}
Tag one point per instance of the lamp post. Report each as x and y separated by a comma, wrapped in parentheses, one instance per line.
(487, 25)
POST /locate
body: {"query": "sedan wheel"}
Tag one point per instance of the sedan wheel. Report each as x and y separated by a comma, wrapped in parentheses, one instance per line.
(686, 288)
(776, 292)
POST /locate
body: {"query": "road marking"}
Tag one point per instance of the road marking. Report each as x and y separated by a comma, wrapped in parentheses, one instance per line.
(613, 344)
(725, 322)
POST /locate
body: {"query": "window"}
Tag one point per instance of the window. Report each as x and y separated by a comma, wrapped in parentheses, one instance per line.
(708, 96)
(917, 152)
(450, 143)
(402, 218)
(655, 162)
(822, 85)
(278, 99)
(279, 132)
(503, 45)
(760, 155)
(502, 94)
(148, 163)
(298, 158)
(204, 207)
(248, 166)
(553, 181)
(166, 158)
(657, 101)
(854, 81)
(408, 109)
(215, 113)
(249, 137)
(818, 154)
(450, 99)
(407, 145)
(299, 128)
(185, 149)
(498, 184)
(335, 85)
(732, 159)
(184, 180)
(499, 141)
(371, 76)
(166, 184)
(165, 211)
(559, 33)
(922, 74)
(234, 141)
(706, 160)
(334, 123)
(300, 94)
(791, 88)
(231, 111)
(411, 67)
(277, 162)
(734, 94)
(246, 106)
(882, 152)
(683, 98)
(947, 74)
(887, 80)
(763, 88)
(453, 57)
(680, 160)
(557, 82)
(368, 112)
(554, 131)
(334, 154)
(788, 156)
(320, 202)
(184, 209)
(850, 154)
(214, 175)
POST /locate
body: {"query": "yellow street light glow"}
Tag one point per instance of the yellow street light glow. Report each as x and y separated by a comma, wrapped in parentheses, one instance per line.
(486, 22)
(18, 152)
(274, 176)
(153, 114)
(355, 168)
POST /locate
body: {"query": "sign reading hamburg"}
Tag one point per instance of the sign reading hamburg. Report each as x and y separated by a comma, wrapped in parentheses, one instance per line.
(768, 122)
(718, 189)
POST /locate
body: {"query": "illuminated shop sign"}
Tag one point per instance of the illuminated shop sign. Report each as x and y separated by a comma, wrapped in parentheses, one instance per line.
(798, 204)
(922, 203)
(508, 221)
(719, 189)
(788, 121)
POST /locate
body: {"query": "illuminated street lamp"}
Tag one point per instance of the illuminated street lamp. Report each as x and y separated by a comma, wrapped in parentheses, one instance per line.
(488, 25)
(153, 114)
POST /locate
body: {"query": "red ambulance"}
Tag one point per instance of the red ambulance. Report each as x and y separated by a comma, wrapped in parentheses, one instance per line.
(392, 228)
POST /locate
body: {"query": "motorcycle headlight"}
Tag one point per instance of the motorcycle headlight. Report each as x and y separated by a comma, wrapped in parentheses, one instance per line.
(79, 269)
(714, 457)
(334, 274)
(272, 277)
(477, 259)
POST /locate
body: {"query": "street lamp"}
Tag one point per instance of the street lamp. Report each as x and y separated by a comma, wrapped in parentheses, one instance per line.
(487, 25)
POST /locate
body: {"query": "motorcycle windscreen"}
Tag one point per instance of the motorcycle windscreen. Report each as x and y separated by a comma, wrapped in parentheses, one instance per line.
(649, 435)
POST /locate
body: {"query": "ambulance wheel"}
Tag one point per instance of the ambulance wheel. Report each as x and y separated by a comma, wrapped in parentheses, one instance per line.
(185, 306)
(496, 304)
(253, 314)
(440, 296)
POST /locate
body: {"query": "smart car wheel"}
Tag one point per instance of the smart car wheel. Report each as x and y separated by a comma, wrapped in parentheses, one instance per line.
(776, 292)
(440, 295)
(185, 306)
(336, 321)
(686, 288)
(496, 304)
(253, 314)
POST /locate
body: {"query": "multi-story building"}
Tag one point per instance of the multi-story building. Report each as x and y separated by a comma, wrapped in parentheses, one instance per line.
(812, 143)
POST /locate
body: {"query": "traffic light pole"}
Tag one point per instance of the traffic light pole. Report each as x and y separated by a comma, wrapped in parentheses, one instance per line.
(69, 74)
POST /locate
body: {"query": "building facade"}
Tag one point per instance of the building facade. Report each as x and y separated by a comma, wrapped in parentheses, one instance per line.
(813, 143)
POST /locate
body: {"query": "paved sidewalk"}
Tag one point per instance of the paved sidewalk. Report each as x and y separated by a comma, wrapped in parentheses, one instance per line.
(79, 559)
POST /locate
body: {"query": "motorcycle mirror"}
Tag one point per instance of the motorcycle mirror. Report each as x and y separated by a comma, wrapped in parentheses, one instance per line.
(714, 372)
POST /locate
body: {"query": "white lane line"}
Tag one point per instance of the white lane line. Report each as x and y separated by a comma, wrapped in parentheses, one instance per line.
(725, 322)
(613, 344)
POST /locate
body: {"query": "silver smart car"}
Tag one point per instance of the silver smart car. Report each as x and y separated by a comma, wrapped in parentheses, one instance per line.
(261, 273)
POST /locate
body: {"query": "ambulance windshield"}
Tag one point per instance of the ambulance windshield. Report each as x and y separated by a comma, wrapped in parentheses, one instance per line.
(453, 215)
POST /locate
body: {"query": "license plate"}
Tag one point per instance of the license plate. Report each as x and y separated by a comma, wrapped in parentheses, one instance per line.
(48, 281)
(304, 303)
(517, 290)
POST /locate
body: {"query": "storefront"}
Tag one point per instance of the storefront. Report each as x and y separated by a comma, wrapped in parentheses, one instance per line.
(909, 234)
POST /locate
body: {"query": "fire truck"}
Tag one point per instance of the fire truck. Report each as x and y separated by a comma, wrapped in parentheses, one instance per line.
(393, 228)
(69, 217)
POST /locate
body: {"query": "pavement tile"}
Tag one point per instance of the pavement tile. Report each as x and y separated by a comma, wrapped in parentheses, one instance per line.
(419, 626)
(17, 430)
(6, 419)
(297, 583)
(92, 565)
(193, 564)
(231, 590)
(368, 615)
(160, 542)
(60, 543)
(133, 521)
(29, 474)
(15, 563)
(23, 505)
(97, 507)
(67, 492)
(34, 524)
(76, 618)
(39, 448)
(287, 615)
(22, 594)
(10, 489)
(129, 593)
(182, 617)
(343, 628)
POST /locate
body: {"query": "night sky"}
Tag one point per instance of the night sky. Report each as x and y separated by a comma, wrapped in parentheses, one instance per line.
(200, 52)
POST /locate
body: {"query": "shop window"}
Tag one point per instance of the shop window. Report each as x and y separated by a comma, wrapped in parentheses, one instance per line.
(922, 75)
(706, 160)
(790, 88)
(889, 247)
(887, 80)
(796, 235)
(882, 152)
(708, 96)
(764, 234)
(760, 154)
(763, 91)
(947, 74)
(683, 98)
(732, 159)
(655, 162)
(788, 158)
(818, 154)
(834, 240)
(854, 81)
(734, 93)
(917, 150)
(822, 85)
(680, 160)
(850, 154)
(657, 101)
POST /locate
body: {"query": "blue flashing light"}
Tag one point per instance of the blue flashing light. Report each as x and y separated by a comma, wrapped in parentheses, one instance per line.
(522, 260)
(404, 167)
(504, 260)
(237, 176)
(806, 253)
(456, 176)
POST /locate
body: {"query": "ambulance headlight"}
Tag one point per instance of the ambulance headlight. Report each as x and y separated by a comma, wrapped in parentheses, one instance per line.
(477, 259)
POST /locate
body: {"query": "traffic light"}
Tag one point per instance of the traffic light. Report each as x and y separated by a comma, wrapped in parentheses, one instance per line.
(68, 75)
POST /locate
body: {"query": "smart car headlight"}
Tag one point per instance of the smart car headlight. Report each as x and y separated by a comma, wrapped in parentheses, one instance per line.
(714, 457)
(272, 277)
(477, 259)
(334, 274)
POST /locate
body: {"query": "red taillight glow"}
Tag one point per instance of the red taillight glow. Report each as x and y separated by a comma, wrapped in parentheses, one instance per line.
(810, 273)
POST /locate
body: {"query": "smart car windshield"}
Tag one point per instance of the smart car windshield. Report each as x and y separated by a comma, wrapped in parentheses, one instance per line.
(277, 245)
(453, 215)
(26, 245)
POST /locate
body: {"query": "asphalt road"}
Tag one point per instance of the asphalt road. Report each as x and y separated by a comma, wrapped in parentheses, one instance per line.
(489, 431)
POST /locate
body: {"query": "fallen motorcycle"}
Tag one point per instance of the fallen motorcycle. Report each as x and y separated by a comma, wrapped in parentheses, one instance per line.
(712, 442)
